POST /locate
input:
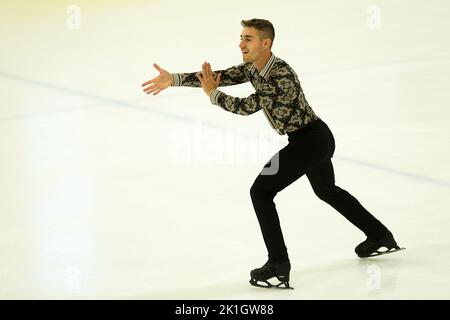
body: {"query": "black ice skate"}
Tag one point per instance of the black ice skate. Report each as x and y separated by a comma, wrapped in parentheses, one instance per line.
(271, 270)
(373, 247)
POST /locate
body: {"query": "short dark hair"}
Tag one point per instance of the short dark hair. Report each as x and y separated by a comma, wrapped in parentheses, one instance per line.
(265, 27)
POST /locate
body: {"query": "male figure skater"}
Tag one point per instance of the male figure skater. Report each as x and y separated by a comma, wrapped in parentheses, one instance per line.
(309, 151)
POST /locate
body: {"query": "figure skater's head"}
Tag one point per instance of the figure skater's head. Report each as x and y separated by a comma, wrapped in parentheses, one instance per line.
(256, 39)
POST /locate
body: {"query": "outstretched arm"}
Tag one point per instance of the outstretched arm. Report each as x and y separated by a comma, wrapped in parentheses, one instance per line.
(231, 76)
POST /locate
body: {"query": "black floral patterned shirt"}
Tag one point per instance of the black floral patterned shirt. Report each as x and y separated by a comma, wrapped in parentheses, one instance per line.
(277, 92)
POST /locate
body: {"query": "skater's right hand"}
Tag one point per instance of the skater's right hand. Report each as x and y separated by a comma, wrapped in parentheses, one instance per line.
(159, 83)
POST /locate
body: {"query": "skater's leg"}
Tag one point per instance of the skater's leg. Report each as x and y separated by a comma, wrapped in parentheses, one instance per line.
(322, 181)
(263, 192)
(303, 152)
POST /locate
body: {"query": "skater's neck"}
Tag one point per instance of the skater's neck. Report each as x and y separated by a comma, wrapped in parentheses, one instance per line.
(260, 63)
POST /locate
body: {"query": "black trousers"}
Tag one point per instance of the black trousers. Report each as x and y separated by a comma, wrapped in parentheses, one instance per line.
(309, 152)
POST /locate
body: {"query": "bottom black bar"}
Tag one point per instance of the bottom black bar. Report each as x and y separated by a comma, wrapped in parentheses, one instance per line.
(221, 309)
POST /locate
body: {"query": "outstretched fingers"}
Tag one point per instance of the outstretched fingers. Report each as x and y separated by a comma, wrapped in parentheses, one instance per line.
(156, 92)
(157, 67)
(151, 88)
(149, 82)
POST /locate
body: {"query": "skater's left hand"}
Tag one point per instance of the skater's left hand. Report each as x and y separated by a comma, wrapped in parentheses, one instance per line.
(207, 80)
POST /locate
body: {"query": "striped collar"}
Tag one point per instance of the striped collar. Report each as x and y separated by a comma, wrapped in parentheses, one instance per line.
(266, 70)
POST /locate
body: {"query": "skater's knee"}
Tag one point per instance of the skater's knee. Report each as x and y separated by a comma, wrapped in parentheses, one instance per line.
(325, 194)
(258, 191)
(255, 191)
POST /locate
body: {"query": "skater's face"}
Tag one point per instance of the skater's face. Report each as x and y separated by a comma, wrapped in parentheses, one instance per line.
(252, 46)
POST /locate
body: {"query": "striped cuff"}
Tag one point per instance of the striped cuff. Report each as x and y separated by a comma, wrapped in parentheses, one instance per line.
(176, 80)
(214, 96)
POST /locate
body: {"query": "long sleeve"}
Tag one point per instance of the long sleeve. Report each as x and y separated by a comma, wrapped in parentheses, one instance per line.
(277, 92)
(231, 76)
(242, 106)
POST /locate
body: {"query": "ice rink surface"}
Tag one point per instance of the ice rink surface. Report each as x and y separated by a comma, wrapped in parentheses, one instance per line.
(111, 194)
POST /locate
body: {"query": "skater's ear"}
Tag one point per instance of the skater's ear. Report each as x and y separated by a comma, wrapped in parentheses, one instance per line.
(267, 43)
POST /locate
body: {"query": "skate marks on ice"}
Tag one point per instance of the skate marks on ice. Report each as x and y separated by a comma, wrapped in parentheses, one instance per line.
(349, 278)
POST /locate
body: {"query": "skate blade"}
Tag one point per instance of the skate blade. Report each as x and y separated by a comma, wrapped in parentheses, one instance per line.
(379, 253)
(268, 285)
